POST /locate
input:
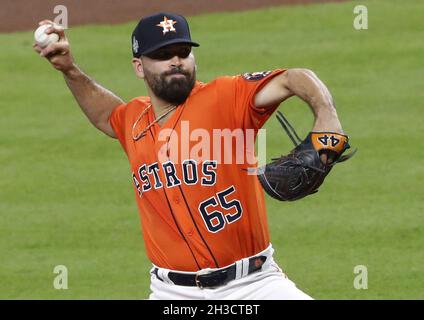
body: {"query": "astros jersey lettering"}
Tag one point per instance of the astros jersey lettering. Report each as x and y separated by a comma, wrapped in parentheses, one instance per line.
(198, 206)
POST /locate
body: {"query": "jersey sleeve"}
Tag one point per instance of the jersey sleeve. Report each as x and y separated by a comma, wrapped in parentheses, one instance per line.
(117, 122)
(245, 87)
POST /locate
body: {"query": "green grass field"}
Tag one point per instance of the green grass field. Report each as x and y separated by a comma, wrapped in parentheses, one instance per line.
(66, 196)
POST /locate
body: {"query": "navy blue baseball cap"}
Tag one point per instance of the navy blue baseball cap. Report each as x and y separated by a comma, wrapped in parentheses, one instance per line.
(159, 30)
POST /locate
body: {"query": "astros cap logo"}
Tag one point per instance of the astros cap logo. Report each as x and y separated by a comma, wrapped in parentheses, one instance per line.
(167, 25)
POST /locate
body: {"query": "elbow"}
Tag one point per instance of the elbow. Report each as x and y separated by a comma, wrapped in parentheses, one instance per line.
(107, 130)
(105, 127)
(299, 77)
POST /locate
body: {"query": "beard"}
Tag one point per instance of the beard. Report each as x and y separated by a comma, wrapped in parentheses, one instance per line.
(172, 90)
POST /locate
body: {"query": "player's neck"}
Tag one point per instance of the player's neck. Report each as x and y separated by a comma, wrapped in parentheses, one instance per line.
(160, 107)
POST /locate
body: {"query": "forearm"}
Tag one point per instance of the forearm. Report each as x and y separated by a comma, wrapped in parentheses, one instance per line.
(306, 85)
(95, 101)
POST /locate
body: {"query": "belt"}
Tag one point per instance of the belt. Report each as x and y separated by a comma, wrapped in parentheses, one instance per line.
(214, 278)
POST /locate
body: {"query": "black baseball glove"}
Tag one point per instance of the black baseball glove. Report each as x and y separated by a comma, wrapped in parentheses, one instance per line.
(303, 170)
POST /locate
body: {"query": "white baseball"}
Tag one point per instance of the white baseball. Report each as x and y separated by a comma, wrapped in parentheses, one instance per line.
(43, 39)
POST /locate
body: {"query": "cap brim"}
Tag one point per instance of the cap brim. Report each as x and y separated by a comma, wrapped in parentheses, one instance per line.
(166, 43)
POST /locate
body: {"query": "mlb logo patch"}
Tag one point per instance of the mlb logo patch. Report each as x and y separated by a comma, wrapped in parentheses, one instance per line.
(135, 45)
(255, 76)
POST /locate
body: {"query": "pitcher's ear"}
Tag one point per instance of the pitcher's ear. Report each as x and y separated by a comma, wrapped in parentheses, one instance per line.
(138, 67)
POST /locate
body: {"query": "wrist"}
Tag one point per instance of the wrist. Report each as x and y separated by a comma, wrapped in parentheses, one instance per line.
(72, 72)
(328, 121)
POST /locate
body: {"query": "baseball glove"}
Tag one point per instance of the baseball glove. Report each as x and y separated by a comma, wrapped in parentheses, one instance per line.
(303, 170)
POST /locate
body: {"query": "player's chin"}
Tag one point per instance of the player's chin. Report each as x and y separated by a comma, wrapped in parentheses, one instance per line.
(178, 97)
(178, 90)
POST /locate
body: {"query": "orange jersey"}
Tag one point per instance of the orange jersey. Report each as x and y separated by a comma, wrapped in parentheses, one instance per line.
(198, 206)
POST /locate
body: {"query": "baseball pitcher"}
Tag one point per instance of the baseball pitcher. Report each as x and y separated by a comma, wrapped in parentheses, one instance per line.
(201, 206)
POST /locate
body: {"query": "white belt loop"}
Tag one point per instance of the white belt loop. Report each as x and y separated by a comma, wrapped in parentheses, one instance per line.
(239, 267)
(245, 262)
(163, 274)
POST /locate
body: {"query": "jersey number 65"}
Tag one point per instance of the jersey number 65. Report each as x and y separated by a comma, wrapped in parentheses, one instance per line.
(216, 220)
